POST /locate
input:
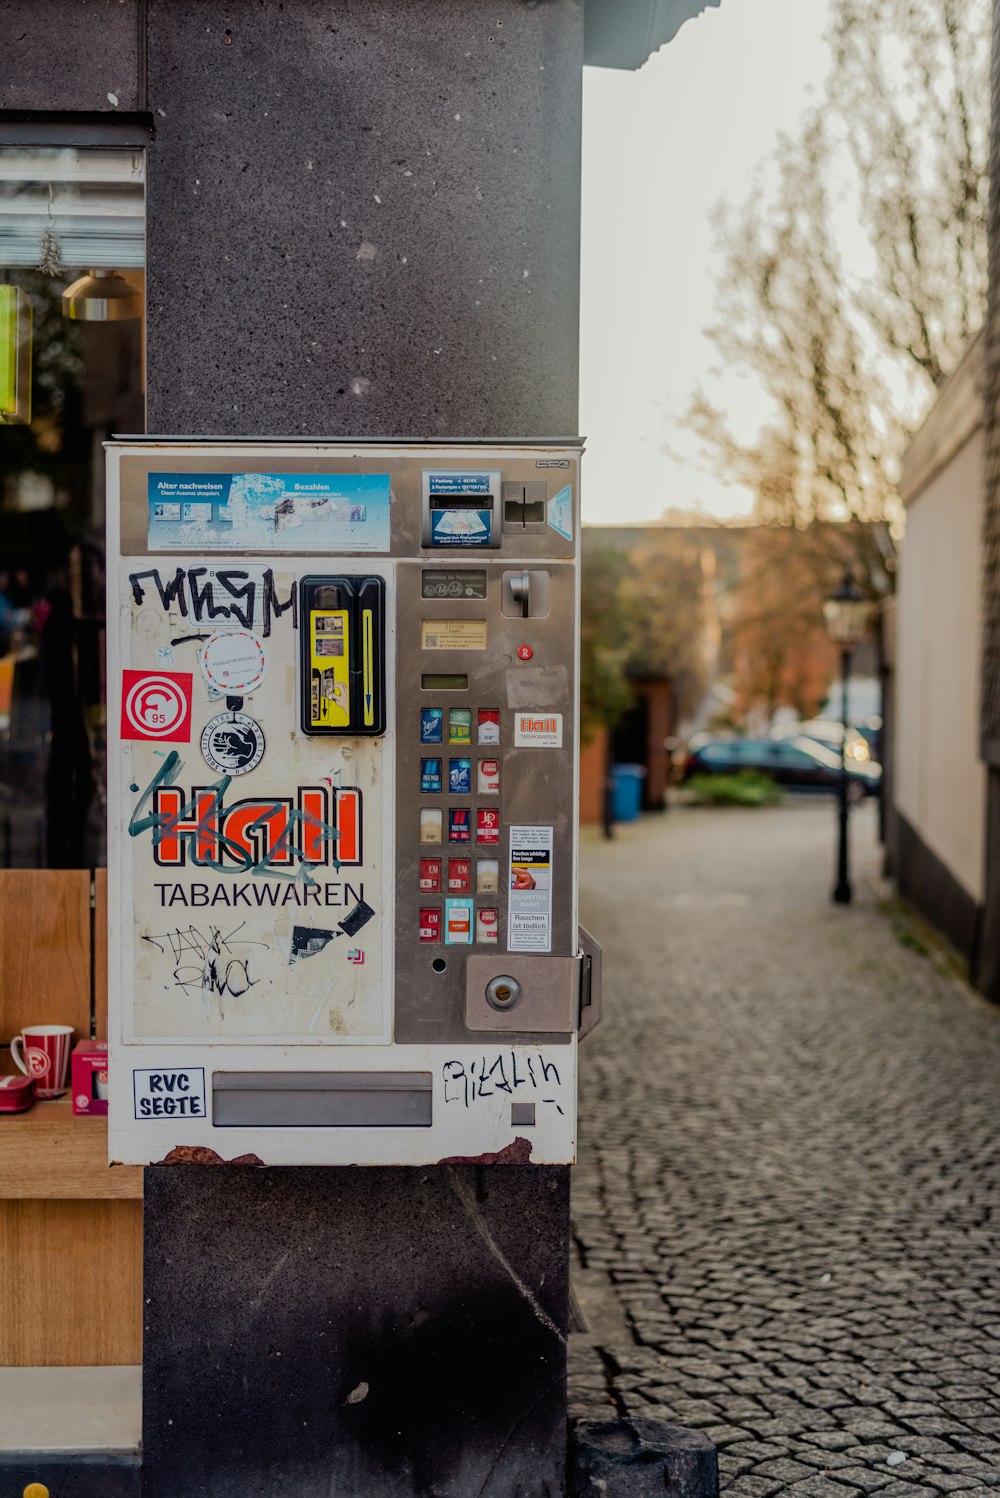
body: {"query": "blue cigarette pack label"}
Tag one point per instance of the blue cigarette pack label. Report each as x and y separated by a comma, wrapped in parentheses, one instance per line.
(430, 776)
(431, 720)
(460, 777)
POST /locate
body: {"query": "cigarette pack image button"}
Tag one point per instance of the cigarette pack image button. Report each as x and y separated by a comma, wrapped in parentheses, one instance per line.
(487, 924)
(430, 924)
(431, 824)
(460, 777)
(430, 776)
(487, 825)
(489, 777)
(488, 725)
(431, 721)
(459, 829)
(459, 725)
(487, 876)
(430, 876)
(459, 876)
(458, 922)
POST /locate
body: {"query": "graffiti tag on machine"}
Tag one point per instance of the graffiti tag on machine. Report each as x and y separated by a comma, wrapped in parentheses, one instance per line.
(505, 1072)
(212, 963)
(212, 593)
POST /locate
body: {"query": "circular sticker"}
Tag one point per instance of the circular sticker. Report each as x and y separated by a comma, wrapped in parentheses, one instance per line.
(156, 706)
(233, 744)
(233, 662)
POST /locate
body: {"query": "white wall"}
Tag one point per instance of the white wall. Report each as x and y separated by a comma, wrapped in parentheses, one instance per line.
(940, 783)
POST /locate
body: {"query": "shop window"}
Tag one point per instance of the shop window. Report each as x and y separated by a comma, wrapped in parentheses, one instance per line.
(72, 245)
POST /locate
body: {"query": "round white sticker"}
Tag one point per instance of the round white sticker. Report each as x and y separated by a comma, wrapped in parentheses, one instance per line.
(232, 744)
(233, 662)
(155, 706)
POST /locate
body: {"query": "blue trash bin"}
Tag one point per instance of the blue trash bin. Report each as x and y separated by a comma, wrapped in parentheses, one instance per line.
(626, 791)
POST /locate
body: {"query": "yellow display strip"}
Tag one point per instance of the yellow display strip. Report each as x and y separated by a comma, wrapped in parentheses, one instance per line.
(368, 668)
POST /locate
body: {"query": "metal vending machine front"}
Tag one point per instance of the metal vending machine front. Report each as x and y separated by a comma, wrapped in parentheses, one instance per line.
(343, 702)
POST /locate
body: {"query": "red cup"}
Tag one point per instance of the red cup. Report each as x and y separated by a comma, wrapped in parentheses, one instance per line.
(45, 1056)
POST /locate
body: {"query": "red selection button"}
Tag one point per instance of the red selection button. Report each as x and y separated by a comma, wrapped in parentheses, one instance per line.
(524, 652)
(430, 925)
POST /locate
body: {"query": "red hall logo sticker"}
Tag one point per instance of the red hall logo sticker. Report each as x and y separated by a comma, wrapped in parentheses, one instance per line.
(156, 705)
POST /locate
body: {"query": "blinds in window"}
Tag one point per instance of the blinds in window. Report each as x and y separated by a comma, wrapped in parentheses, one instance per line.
(87, 203)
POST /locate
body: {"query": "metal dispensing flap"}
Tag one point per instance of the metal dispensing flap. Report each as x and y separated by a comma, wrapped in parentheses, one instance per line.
(316, 1099)
(591, 1007)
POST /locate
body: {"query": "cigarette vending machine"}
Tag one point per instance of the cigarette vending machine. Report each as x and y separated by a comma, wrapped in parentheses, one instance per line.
(343, 767)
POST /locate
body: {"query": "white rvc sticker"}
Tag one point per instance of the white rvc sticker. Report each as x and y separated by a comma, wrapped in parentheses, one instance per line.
(538, 730)
(169, 1092)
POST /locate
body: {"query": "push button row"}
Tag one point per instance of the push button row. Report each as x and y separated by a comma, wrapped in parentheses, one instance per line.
(459, 777)
(459, 725)
(460, 876)
(459, 825)
(457, 928)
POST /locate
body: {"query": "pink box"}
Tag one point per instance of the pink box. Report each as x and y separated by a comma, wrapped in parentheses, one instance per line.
(89, 1077)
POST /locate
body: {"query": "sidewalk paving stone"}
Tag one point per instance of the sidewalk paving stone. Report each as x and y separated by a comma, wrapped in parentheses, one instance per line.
(789, 1183)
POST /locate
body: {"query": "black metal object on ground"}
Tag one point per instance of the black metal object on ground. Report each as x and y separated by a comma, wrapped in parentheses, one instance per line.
(641, 1459)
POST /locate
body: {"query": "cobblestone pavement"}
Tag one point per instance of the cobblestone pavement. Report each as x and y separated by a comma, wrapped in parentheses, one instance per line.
(785, 1208)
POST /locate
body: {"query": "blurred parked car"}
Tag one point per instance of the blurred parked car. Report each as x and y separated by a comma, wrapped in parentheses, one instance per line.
(799, 764)
(862, 738)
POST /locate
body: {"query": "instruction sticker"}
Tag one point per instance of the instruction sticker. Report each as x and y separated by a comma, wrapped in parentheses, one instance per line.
(325, 512)
(561, 513)
(538, 730)
(173, 1093)
(529, 911)
(453, 634)
(461, 506)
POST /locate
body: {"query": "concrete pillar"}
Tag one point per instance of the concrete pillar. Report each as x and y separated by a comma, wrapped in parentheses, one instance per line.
(363, 219)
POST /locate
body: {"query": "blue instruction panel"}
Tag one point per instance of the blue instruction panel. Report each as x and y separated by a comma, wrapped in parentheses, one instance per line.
(324, 512)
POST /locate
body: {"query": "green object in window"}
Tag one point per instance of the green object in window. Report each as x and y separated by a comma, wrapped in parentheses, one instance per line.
(15, 355)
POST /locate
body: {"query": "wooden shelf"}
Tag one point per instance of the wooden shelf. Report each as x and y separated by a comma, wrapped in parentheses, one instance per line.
(48, 1153)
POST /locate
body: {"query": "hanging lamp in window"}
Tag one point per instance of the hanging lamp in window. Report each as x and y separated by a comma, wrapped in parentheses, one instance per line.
(101, 296)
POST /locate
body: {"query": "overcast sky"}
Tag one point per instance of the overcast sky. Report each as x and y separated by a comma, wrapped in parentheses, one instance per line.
(660, 148)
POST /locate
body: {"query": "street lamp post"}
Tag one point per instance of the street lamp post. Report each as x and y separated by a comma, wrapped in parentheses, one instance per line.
(846, 614)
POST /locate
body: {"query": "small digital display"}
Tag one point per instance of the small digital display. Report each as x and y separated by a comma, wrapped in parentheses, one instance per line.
(445, 583)
(444, 681)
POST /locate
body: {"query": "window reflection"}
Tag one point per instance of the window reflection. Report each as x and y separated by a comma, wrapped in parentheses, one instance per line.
(67, 219)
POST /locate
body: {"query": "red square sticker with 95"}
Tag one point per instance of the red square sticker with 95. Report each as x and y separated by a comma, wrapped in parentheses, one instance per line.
(156, 705)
